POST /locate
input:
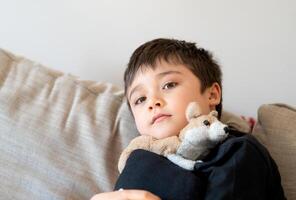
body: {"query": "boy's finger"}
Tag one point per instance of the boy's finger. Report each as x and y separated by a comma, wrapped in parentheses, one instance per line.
(138, 195)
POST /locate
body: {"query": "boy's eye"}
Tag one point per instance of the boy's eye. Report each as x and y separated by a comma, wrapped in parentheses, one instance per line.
(140, 100)
(206, 122)
(170, 85)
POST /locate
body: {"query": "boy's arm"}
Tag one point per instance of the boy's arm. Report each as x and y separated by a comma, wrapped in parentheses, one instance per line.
(149, 171)
(140, 142)
(241, 168)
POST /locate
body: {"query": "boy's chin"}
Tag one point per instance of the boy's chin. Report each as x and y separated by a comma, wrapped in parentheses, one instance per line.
(162, 130)
(163, 133)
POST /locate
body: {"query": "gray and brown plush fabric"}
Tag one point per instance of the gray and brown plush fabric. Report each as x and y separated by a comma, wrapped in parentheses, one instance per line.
(60, 137)
(276, 129)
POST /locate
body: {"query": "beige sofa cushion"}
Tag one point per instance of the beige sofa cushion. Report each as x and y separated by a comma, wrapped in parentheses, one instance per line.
(60, 136)
(276, 129)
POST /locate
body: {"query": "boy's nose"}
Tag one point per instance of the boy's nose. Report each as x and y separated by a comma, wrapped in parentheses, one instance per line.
(156, 103)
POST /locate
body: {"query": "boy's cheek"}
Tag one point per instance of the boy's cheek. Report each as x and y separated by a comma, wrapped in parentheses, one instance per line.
(141, 125)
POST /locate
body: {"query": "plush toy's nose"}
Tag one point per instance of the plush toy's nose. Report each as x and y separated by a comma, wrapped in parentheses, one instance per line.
(226, 129)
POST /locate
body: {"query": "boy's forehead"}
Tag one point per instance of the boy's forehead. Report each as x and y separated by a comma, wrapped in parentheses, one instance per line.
(160, 69)
(157, 71)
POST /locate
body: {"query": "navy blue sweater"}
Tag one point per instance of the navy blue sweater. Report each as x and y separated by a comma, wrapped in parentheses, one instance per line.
(239, 168)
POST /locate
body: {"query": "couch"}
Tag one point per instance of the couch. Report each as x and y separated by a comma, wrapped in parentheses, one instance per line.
(61, 137)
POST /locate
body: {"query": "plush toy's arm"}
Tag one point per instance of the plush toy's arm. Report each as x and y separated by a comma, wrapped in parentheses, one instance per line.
(140, 142)
(166, 146)
(182, 162)
(163, 147)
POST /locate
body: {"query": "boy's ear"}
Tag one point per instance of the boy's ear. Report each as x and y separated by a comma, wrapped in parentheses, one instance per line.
(214, 95)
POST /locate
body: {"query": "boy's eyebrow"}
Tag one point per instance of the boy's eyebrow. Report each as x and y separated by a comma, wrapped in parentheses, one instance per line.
(162, 74)
(159, 75)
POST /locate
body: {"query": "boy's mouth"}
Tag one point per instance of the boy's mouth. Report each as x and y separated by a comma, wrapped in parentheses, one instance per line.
(159, 117)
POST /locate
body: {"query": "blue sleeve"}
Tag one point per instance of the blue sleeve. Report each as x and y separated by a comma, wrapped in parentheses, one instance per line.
(149, 171)
(241, 168)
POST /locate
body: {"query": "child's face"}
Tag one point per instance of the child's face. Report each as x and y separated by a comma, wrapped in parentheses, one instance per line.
(165, 92)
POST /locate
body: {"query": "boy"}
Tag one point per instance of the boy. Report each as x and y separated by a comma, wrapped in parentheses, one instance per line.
(162, 77)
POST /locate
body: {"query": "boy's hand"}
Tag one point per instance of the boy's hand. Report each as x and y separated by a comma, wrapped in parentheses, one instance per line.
(126, 195)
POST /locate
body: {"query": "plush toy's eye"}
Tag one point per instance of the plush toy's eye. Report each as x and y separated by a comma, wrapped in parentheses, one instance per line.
(206, 122)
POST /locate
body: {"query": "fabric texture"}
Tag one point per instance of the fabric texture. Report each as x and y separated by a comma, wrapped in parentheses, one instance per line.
(239, 168)
(276, 129)
(60, 137)
(149, 171)
(235, 122)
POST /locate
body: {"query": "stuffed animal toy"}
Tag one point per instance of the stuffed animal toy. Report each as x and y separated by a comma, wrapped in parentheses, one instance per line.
(195, 140)
(202, 133)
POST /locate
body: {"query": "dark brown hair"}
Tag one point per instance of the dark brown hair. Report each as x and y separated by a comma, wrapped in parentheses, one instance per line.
(198, 60)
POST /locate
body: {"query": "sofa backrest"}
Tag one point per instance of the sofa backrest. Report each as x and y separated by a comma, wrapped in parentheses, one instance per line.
(276, 129)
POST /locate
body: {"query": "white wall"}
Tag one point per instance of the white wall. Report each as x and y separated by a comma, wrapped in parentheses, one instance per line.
(253, 40)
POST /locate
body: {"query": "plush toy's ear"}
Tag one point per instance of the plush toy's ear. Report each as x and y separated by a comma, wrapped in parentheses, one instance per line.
(193, 111)
(214, 113)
